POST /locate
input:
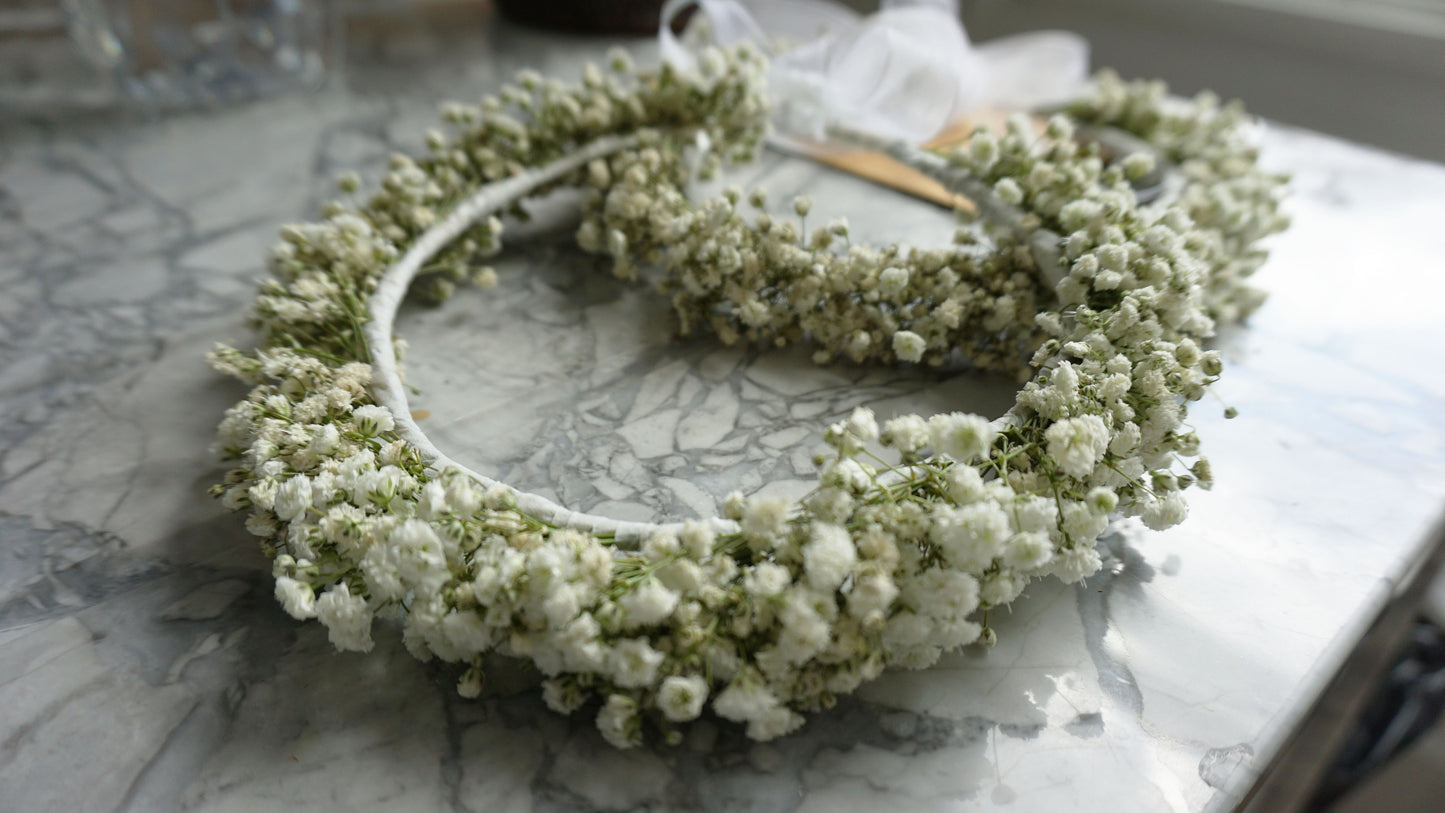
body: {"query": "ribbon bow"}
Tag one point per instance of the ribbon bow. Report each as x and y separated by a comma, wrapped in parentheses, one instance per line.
(906, 72)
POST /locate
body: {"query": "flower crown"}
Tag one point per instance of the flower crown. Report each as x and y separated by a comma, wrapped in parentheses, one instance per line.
(918, 527)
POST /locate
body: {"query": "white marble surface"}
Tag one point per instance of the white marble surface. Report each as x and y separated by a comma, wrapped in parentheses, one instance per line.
(143, 665)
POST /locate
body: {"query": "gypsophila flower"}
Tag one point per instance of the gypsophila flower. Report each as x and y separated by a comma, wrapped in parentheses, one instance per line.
(1076, 444)
(648, 604)
(470, 684)
(1028, 550)
(829, 556)
(1138, 165)
(907, 433)
(293, 498)
(563, 695)
(909, 346)
(745, 698)
(618, 721)
(634, 663)
(372, 420)
(697, 539)
(681, 698)
(893, 281)
(767, 579)
(1009, 191)
(296, 597)
(1165, 512)
(971, 536)
(347, 618)
(961, 436)
(862, 425)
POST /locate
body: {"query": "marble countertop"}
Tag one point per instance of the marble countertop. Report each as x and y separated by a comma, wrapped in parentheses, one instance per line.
(144, 665)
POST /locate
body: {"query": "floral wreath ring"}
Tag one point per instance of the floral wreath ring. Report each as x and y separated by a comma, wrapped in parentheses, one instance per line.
(1096, 300)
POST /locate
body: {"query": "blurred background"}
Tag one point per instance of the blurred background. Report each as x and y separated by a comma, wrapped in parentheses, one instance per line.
(1371, 71)
(1368, 70)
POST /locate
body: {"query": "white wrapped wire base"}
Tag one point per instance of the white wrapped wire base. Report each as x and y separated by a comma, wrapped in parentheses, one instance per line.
(387, 387)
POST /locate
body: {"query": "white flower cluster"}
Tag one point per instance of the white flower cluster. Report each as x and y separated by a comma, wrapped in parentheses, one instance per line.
(1230, 201)
(765, 279)
(884, 564)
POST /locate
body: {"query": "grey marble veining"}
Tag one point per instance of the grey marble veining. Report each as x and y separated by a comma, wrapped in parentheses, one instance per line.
(570, 383)
(144, 665)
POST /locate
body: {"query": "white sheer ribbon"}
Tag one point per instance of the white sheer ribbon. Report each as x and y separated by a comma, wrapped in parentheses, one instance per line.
(907, 71)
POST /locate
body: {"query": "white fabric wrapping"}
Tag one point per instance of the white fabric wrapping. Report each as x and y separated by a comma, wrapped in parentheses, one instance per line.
(906, 72)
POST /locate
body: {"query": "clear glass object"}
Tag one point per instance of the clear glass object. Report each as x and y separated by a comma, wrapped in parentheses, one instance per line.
(63, 54)
(170, 52)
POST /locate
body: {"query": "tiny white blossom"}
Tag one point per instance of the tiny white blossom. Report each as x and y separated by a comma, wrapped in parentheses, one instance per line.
(419, 557)
(1138, 165)
(829, 556)
(372, 420)
(963, 484)
(765, 518)
(970, 537)
(463, 496)
(647, 604)
(943, 593)
(1028, 550)
(906, 630)
(347, 618)
(618, 721)
(893, 281)
(681, 698)
(432, 502)
(962, 436)
(684, 576)
(1009, 191)
(561, 605)
(1000, 588)
(774, 723)
(767, 579)
(847, 474)
(379, 568)
(470, 684)
(746, 698)
(906, 433)
(805, 632)
(660, 545)
(1166, 512)
(831, 505)
(1077, 563)
(293, 498)
(1102, 500)
(697, 539)
(909, 346)
(263, 493)
(562, 696)
(633, 663)
(466, 633)
(862, 425)
(296, 597)
(1076, 444)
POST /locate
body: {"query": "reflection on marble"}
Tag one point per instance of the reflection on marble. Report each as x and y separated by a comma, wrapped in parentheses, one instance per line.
(144, 666)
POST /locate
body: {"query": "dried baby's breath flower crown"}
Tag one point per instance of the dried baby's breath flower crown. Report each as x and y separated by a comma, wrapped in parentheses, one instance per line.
(1097, 302)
